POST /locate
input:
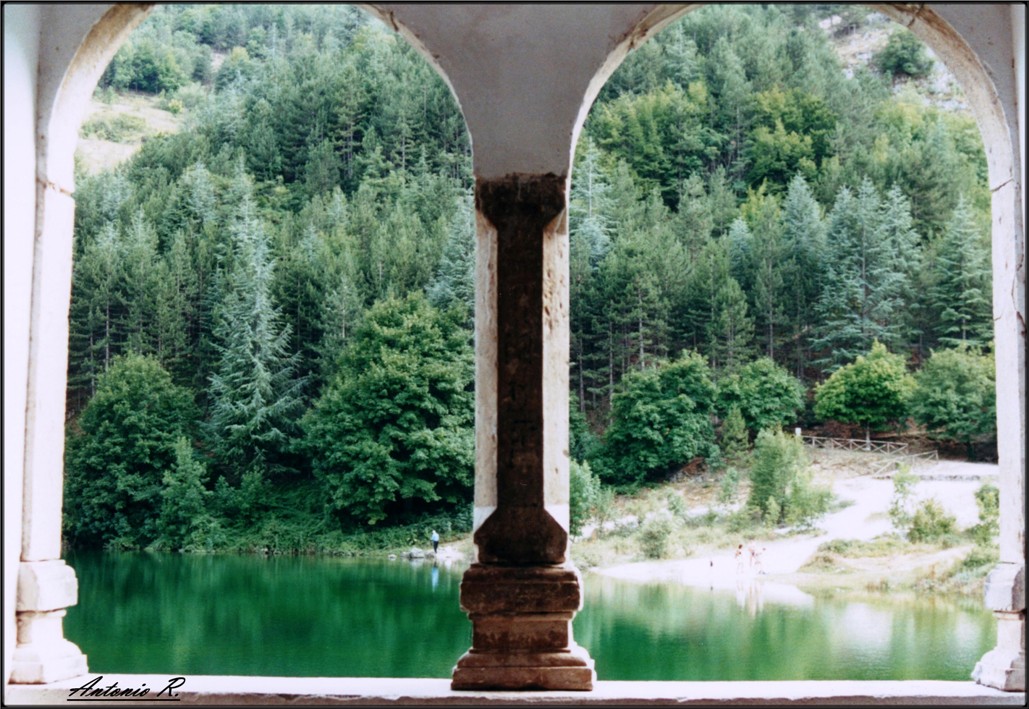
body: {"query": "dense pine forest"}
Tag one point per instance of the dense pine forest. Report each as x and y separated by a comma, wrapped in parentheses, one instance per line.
(271, 315)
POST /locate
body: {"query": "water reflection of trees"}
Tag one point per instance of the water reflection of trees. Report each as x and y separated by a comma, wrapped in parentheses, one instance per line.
(187, 614)
(273, 616)
(664, 631)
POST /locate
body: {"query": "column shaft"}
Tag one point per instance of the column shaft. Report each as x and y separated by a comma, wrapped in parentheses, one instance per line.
(46, 585)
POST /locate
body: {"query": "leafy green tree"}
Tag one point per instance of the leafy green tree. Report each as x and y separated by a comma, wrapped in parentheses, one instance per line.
(661, 134)
(871, 392)
(780, 481)
(954, 396)
(119, 453)
(904, 55)
(393, 432)
(767, 396)
(734, 440)
(661, 419)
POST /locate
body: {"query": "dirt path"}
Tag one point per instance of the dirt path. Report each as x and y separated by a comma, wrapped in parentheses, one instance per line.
(953, 484)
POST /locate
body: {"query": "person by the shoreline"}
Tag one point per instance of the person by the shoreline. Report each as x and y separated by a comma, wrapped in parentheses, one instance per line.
(435, 541)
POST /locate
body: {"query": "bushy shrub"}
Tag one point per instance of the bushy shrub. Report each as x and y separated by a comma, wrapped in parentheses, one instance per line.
(931, 522)
(678, 507)
(901, 504)
(728, 487)
(655, 535)
(987, 497)
(584, 494)
(118, 129)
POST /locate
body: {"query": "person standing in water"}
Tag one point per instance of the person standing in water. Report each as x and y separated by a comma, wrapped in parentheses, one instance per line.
(435, 541)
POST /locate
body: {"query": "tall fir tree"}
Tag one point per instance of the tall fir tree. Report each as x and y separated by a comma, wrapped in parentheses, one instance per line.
(860, 301)
(255, 392)
(962, 296)
(803, 241)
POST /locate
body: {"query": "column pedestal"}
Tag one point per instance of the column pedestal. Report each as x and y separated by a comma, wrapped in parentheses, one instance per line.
(1004, 666)
(45, 590)
(522, 630)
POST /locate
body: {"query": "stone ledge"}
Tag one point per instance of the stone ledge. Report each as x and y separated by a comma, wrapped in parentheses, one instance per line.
(367, 691)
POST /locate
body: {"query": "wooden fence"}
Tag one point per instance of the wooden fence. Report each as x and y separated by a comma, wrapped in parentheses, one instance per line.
(895, 452)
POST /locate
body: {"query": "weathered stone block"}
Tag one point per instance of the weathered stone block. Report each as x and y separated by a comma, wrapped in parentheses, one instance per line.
(46, 586)
(508, 590)
(1005, 588)
(568, 670)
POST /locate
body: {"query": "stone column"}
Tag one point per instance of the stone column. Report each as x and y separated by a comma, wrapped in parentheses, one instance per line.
(1004, 666)
(522, 592)
(46, 585)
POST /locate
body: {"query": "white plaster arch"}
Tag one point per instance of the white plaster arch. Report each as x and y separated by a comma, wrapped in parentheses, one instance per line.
(995, 102)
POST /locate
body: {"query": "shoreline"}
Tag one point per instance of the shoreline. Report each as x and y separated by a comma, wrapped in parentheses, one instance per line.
(862, 516)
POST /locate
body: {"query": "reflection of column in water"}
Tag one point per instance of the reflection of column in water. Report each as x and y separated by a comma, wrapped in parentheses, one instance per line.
(435, 576)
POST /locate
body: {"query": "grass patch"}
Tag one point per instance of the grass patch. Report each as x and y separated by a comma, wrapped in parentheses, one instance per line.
(121, 128)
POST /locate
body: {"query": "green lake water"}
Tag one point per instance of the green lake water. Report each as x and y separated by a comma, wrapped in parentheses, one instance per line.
(308, 617)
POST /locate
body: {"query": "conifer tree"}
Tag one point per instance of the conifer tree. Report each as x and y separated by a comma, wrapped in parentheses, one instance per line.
(184, 515)
(962, 294)
(804, 247)
(765, 266)
(860, 301)
(255, 393)
(454, 283)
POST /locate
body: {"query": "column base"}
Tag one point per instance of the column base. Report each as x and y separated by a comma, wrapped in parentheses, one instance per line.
(522, 629)
(571, 670)
(1002, 670)
(42, 654)
(44, 663)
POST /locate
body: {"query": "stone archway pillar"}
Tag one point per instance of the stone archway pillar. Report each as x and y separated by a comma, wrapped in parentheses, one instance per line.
(522, 592)
(46, 584)
(1003, 667)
